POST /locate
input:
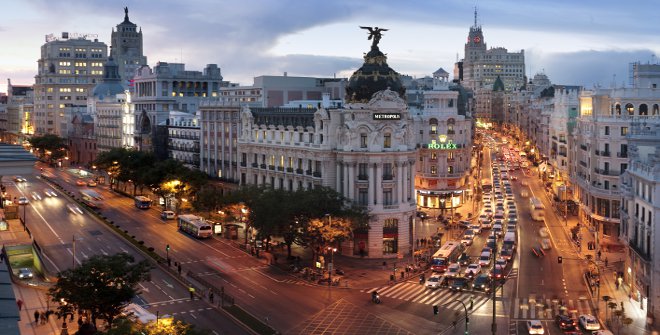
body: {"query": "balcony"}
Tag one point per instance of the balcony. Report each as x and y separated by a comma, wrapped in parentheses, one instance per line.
(308, 172)
(607, 172)
(363, 177)
(263, 166)
(451, 132)
(622, 154)
(317, 174)
(244, 164)
(583, 147)
(299, 171)
(271, 167)
(641, 253)
(289, 169)
(603, 153)
(280, 168)
(583, 164)
(388, 177)
(563, 140)
(254, 165)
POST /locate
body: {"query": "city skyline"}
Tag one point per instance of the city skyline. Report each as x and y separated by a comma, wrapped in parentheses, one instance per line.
(583, 44)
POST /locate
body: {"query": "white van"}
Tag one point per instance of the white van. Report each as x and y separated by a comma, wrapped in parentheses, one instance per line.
(167, 215)
(510, 238)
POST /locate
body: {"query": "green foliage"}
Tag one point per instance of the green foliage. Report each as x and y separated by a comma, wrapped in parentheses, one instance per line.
(50, 143)
(102, 285)
(125, 326)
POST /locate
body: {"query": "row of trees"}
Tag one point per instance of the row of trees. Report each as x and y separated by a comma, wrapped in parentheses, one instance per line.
(49, 146)
(142, 169)
(313, 218)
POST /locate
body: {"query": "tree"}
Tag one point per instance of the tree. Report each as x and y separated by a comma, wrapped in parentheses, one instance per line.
(102, 285)
(50, 145)
(125, 326)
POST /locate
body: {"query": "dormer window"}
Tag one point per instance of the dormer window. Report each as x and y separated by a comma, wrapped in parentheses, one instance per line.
(387, 141)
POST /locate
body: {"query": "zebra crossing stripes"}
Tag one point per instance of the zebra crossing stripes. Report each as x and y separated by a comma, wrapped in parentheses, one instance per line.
(525, 308)
(416, 293)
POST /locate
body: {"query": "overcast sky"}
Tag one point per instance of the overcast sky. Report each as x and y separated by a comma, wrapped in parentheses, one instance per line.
(573, 42)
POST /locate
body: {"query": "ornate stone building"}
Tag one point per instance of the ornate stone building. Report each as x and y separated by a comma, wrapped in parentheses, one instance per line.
(126, 42)
(365, 151)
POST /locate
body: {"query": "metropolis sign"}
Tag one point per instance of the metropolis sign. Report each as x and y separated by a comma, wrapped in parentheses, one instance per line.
(387, 116)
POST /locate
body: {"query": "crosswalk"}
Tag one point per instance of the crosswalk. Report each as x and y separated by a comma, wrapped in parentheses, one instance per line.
(528, 308)
(416, 293)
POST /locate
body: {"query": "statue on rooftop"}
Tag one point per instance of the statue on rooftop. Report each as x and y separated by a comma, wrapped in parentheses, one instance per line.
(375, 34)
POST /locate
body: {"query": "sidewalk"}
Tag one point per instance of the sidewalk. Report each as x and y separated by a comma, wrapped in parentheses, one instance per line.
(609, 264)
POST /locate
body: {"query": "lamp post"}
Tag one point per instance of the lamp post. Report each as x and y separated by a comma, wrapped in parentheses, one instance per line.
(242, 213)
(332, 260)
(65, 329)
(467, 318)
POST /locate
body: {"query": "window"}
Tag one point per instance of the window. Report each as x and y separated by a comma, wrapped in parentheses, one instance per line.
(362, 171)
(387, 141)
(434, 169)
(607, 130)
(434, 156)
(643, 109)
(630, 109)
(450, 169)
(363, 140)
(387, 197)
(387, 171)
(391, 224)
(624, 131)
(363, 196)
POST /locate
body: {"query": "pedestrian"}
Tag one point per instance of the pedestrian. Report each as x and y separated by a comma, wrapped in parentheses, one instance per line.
(606, 261)
(36, 317)
(179, 268)
(211, 296)
(19, 303)
(192, 292)
(43, 317)
(598, 254)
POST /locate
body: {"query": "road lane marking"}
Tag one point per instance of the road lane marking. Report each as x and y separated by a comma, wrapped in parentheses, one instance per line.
(168, 284)
(143, 288)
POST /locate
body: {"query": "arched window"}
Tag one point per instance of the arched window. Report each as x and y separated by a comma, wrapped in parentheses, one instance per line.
(630, 109)
(617, 108)
(433, 123)
(643, 109)
(655, 109)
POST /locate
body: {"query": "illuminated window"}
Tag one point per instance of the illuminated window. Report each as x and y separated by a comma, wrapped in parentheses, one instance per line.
(65, 89)
(49, 90)
(65, 63)
(434, 156)
(434, 169)
(630, 109)
(80, 90)
(387, 141)
(64, 71)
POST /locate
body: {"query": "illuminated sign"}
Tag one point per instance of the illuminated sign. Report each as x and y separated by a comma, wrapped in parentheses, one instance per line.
(387, 116)
(442, 146)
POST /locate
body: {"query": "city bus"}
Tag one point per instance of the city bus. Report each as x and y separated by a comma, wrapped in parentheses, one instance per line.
(486, 185)
(448, 253)
(537, 209)
(91, 198)
(194, 226)
(142, 202)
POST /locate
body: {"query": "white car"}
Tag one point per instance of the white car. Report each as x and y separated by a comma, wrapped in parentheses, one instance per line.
(546, 244)
(468, 236)
(434, 281)
(35, 196)
(74, 209)
(23, 201)
(535, 327)
(589, 322)
(501, 262)
(49, 192)
(544, 232)
(472, 270)
(453, 270)
(25, 273)
(19, 179)
(476, 228)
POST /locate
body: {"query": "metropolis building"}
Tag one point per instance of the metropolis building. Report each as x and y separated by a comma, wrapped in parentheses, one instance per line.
(365, 150)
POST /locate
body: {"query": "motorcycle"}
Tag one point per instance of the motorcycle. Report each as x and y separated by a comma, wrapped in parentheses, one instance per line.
(375, 298)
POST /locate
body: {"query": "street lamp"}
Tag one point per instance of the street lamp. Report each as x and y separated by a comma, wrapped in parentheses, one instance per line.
(332, 260)
(65, 329)
(243, 212)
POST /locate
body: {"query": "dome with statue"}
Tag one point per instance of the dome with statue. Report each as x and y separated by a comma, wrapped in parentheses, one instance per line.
(110, 85)
(374, 75)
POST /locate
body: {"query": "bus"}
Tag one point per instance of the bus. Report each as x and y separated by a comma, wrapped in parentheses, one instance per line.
(142, 202)
(194, 226)
(448, 253)
(91, 198)
(537, 209)
(486, 185)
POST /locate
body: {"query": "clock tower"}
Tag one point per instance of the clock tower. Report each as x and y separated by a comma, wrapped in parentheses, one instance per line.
(475, 45)
(127, 49)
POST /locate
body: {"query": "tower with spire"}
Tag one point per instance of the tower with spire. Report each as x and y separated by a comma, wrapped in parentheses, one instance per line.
(127, 49)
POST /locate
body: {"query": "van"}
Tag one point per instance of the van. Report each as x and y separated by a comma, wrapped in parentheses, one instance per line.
(167, 215)
(510, 238)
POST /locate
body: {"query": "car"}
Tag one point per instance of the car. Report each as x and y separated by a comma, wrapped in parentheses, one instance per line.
(524, 193)
(497, 230)
(472, 270)
(589, 322)
(35, 196)
(463, 259)
(422, 215)
(23, 201)
(506, 253)
(538, 251)
(91, 183)
(484, 259)
(491, 244)
(468, 236)
(546, 244)
(535, 327)
(80, 182)
(25, 273)
(481, 283)
(497, 272)
(459, 284)
(565, 322)
(434, 281)
(49, 192)
(602, 332)
(476, 228)
(19, 179)
(453, 270)
(74, 209)
(501, 262)
(544, 232)
(167, 215)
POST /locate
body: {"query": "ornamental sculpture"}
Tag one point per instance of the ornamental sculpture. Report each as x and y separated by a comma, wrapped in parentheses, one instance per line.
(375, 34)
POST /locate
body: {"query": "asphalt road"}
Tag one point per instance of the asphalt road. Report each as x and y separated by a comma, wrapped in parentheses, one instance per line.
(56, 228)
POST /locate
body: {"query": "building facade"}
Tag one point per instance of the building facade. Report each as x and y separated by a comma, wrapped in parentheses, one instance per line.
(68, 70)
(445, 148)
(219, 124)
(640, 216)
(126, 42)
(183, 134)
(365, 151)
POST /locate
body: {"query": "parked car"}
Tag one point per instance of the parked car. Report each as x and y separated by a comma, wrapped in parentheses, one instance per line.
(538, 251)
(546, 244)
(535, 327)
(544, 232)
(589, 322)
(25, 273)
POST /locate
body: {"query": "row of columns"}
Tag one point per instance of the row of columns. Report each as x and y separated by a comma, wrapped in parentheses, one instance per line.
(346, 176)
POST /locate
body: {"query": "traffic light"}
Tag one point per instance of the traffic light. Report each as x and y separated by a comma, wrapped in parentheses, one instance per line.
(559, 260)
(435, 310)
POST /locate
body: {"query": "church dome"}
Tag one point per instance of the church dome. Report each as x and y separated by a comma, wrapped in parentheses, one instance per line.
(111, 83)
(373, 76)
